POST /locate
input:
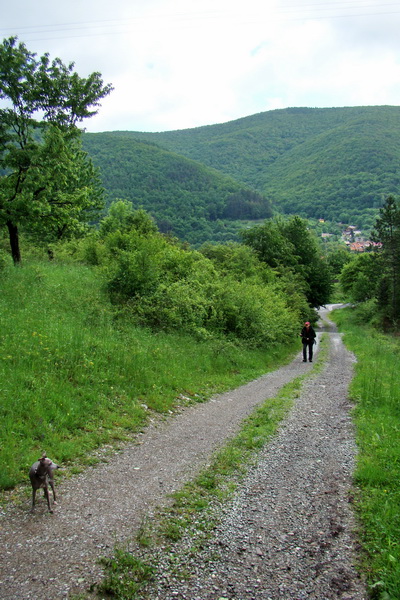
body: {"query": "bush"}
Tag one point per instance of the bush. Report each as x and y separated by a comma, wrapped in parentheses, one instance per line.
(179, 305)
(222, 291)
(253, 313)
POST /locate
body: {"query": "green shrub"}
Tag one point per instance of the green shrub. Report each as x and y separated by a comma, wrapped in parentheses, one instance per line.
(180, 305)
(253, 313)
(170, 287)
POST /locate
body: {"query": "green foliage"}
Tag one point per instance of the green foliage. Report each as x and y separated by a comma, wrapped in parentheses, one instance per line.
(387, 232)
(166, 285)
(333, 163)
(375, 275)
(126, 575)
(271, 244)
(73, 191)
(361, 276)
(239, 261)
(4, 261)
(123, 217)
(187, 199)
(47, 184)
(289, 244)
(376, 391)
(76, 373)
(337, 259)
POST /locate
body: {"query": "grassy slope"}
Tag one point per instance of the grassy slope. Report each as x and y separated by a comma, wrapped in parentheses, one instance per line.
(376, 392)
(74, 374)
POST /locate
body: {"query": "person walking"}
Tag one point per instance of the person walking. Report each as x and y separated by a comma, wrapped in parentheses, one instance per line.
(308, 336)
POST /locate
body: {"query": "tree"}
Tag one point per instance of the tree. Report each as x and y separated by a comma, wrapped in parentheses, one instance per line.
(387, 232)
(238, 260)
(310, 264)
(123, 217)
(337, 258)
(271, 245)
(44, 175)
(290, 245)
(73, 196)
(360, 276)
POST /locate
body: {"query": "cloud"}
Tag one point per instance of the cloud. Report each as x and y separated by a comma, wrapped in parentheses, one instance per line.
(176, 64)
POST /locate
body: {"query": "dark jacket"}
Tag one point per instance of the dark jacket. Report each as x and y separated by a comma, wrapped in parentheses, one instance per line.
(308, 336)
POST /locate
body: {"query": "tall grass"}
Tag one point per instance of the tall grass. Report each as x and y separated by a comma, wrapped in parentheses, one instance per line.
(376, 391)
(75, 374)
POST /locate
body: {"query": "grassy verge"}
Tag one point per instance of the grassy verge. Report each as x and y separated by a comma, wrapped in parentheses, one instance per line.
(76, 375)
(170, 539)
(376, 392)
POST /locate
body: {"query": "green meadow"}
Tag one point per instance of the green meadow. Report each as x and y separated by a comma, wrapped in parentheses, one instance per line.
(76, 374)
(375, 390)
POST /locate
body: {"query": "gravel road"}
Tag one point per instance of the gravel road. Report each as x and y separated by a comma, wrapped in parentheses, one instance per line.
(288, 534)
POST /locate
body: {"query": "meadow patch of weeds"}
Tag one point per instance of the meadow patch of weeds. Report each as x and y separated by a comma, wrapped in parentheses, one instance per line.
(375, 390)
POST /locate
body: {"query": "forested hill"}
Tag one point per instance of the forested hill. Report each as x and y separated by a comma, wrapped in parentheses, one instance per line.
(187, 199)
(332, 163)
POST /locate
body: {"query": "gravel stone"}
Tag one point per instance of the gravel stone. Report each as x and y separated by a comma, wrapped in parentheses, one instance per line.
(288, 533)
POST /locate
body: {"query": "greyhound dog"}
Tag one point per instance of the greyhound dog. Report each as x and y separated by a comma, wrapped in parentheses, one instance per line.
(41, 475)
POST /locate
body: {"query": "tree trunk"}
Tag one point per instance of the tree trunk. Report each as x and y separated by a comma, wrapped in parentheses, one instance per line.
(14, 242)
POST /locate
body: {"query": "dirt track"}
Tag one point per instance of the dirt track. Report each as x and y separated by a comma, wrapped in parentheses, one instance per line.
(46, 557)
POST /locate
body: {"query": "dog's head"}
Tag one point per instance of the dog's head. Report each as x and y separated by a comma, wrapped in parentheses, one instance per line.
(47, 463)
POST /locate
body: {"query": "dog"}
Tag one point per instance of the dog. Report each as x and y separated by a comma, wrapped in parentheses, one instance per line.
(41, 475)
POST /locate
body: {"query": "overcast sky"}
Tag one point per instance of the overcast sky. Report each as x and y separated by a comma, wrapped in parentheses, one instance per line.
(177, 64)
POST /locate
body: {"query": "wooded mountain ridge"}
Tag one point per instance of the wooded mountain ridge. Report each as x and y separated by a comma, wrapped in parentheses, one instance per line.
(337, 164)
(186, 198)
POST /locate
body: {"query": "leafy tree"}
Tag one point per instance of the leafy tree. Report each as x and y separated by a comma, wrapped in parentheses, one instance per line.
(361, 276)
(309, 262)
(387, 232)
(123, 217)
(337, 259)
(238, 260)
(73, 197)
(45, 177)
(291, 245)
(271, 245)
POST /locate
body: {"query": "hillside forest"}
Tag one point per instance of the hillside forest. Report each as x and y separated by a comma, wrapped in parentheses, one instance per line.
(335, 164)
